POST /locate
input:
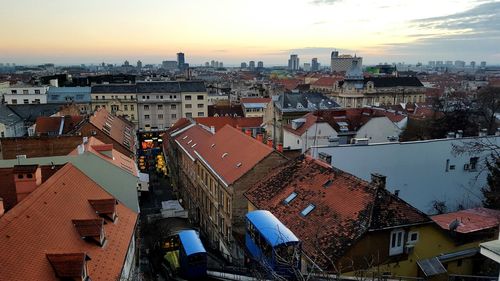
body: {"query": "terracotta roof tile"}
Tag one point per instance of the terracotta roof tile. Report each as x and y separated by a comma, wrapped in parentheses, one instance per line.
(118, 129)
(345, 207)
(52, 125)
(469, 220)
(235, 122)
(42, 223)
(255, 100)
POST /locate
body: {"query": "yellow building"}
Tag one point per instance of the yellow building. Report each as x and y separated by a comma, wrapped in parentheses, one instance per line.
(120, 100)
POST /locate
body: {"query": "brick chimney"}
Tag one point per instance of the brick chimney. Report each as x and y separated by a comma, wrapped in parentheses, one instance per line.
(378, 181)
(26, 178)
(2, 208)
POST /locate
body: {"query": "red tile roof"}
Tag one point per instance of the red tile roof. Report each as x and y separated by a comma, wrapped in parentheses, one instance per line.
(52, 125)
(310, 120)
(326, 81)
(229, 152)
(42, 223)
(469, 220)
(290, 84)
(346, 207)
(114, 156)
(236, 122)
(120, 130)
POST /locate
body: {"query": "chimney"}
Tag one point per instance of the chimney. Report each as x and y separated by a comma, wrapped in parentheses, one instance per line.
(26, 178)
(378, 181)
(483, 132)
(260, 137)
(2, 208)
(270, 142)
(450, 135)
(280, 147)
(248, 132)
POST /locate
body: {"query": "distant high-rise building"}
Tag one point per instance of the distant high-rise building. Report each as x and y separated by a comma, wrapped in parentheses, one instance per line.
(169, 64)
(460, 63)
(307, 66)
(221, 64)
(473, 64)
(432, 63)
(439, 63)
(126, 63)
(260, 64)
(212, 63)
(293, 62)
(180, 60)
(340, 63)
(139, 64)
(483, 64)
(243, 65)
(216, 64)
(314, 64)
(449, 63)
(207, 64)
(251, 65)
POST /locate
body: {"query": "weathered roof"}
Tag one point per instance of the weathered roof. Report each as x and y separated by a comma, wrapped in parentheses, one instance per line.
(152, 87)
(118, 129)
(229, 152)
(41, 224)
(60, 94)
(225, 110)
(310, 119)
(304, 102)
(56, 125)
(381, 82)
(7, 116)
(331, 209)
(114, 88)
(470, 220)
(29, 112)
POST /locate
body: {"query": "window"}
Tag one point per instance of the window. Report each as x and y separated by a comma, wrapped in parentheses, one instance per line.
(147, 97)
(174, 116)
(160, 107)
(146, 107)
(14, 101)
(473, 163)
(187, 97)
(13, 92)
(26, 101)
(289, 198)
(125, 107)
(173, 106)
(131, 107)
(146, 117)
(189, 115)
(307, 210)
(143, 97)
(161, 97)
(396, 245)
(201, 114)
(132, 117)
(115, 108)
(103, 97)
(25, 92)
(160, 116)
(413, 237)
(200, 105)
(199, 97)
(36, 101)
(37, 92)
(131, 97)
(96, 97)
(187, 105)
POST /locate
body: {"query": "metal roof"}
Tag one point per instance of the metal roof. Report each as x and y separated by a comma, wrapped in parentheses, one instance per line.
(191, 242)
(272, 229)
(431, 267)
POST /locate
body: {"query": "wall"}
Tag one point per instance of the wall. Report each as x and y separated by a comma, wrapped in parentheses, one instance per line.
(163, 110)
(89, 130)
(378, 130)
(121, 104)
(420, 170)
(318, 134)
(190, 108)
(42, 146)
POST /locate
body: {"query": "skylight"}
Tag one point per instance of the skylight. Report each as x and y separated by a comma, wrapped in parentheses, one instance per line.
(193, 145)
(224, 155)
(307, 210)
(290, 198)
(238, 165)
(327, 183)
(185, 137)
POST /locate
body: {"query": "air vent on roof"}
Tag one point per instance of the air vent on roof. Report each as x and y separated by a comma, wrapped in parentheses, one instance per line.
(190, 141)
(224, 155)
(185, 137)
(238, 165)
(213, 145)
(193, 145)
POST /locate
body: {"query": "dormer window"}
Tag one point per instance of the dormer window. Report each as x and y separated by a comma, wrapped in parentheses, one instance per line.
(105, 208)
(72, 266)
(91, 229)
(307, 210)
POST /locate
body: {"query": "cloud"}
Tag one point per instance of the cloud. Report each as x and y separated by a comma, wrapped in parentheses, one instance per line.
(325, 2)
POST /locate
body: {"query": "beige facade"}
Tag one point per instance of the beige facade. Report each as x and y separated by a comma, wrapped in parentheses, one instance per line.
(194, 104)
(120, 104)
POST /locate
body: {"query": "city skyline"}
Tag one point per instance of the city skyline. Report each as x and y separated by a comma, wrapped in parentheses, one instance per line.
(73, 32)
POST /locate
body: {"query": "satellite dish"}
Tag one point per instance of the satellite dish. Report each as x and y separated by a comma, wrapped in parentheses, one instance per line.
(454, 225)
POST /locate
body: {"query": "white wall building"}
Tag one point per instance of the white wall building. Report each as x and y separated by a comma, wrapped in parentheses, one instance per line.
(378, 130)
(25, 94)
(306, 132)
(422, 171)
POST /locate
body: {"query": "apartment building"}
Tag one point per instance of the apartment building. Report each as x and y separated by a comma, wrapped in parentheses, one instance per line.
(26, 94)
(194, 99)
(119, 99)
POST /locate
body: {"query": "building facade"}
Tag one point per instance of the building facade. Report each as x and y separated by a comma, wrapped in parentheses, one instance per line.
(342, 63)
(77, 95)
(119, 99)
(25, 94)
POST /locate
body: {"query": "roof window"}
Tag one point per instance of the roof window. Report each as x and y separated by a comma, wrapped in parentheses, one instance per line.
(185, 137)
(327, 183)
(225, 154)
(238, 165)
(290, 198)
(307, 210)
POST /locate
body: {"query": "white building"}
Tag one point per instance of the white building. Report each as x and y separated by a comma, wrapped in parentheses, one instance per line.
(306, 132)
(420, 172)
(25, 94)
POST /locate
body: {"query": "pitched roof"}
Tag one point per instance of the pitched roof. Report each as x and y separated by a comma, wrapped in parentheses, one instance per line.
(469, 220)
(225, 110)
(236, 122)
(229, 152)
(381, 82)
(106, 152)
(326, 81)
(7, 116)
(309, 120)
(29, 112)
(117, 128)
(256, 100)
(56, 125)
(342, 208)
(42, 223)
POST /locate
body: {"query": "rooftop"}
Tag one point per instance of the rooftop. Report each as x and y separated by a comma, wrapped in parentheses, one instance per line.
(118, 129)
(236, 122)
(468, 221)
(43, 224)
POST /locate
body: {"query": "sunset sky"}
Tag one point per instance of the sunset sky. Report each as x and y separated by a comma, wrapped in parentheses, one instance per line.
(92, 31)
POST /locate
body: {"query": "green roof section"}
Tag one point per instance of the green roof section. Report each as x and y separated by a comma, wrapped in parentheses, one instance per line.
(119, 183)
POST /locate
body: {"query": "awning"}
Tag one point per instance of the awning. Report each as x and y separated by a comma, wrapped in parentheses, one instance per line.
(431, 267)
